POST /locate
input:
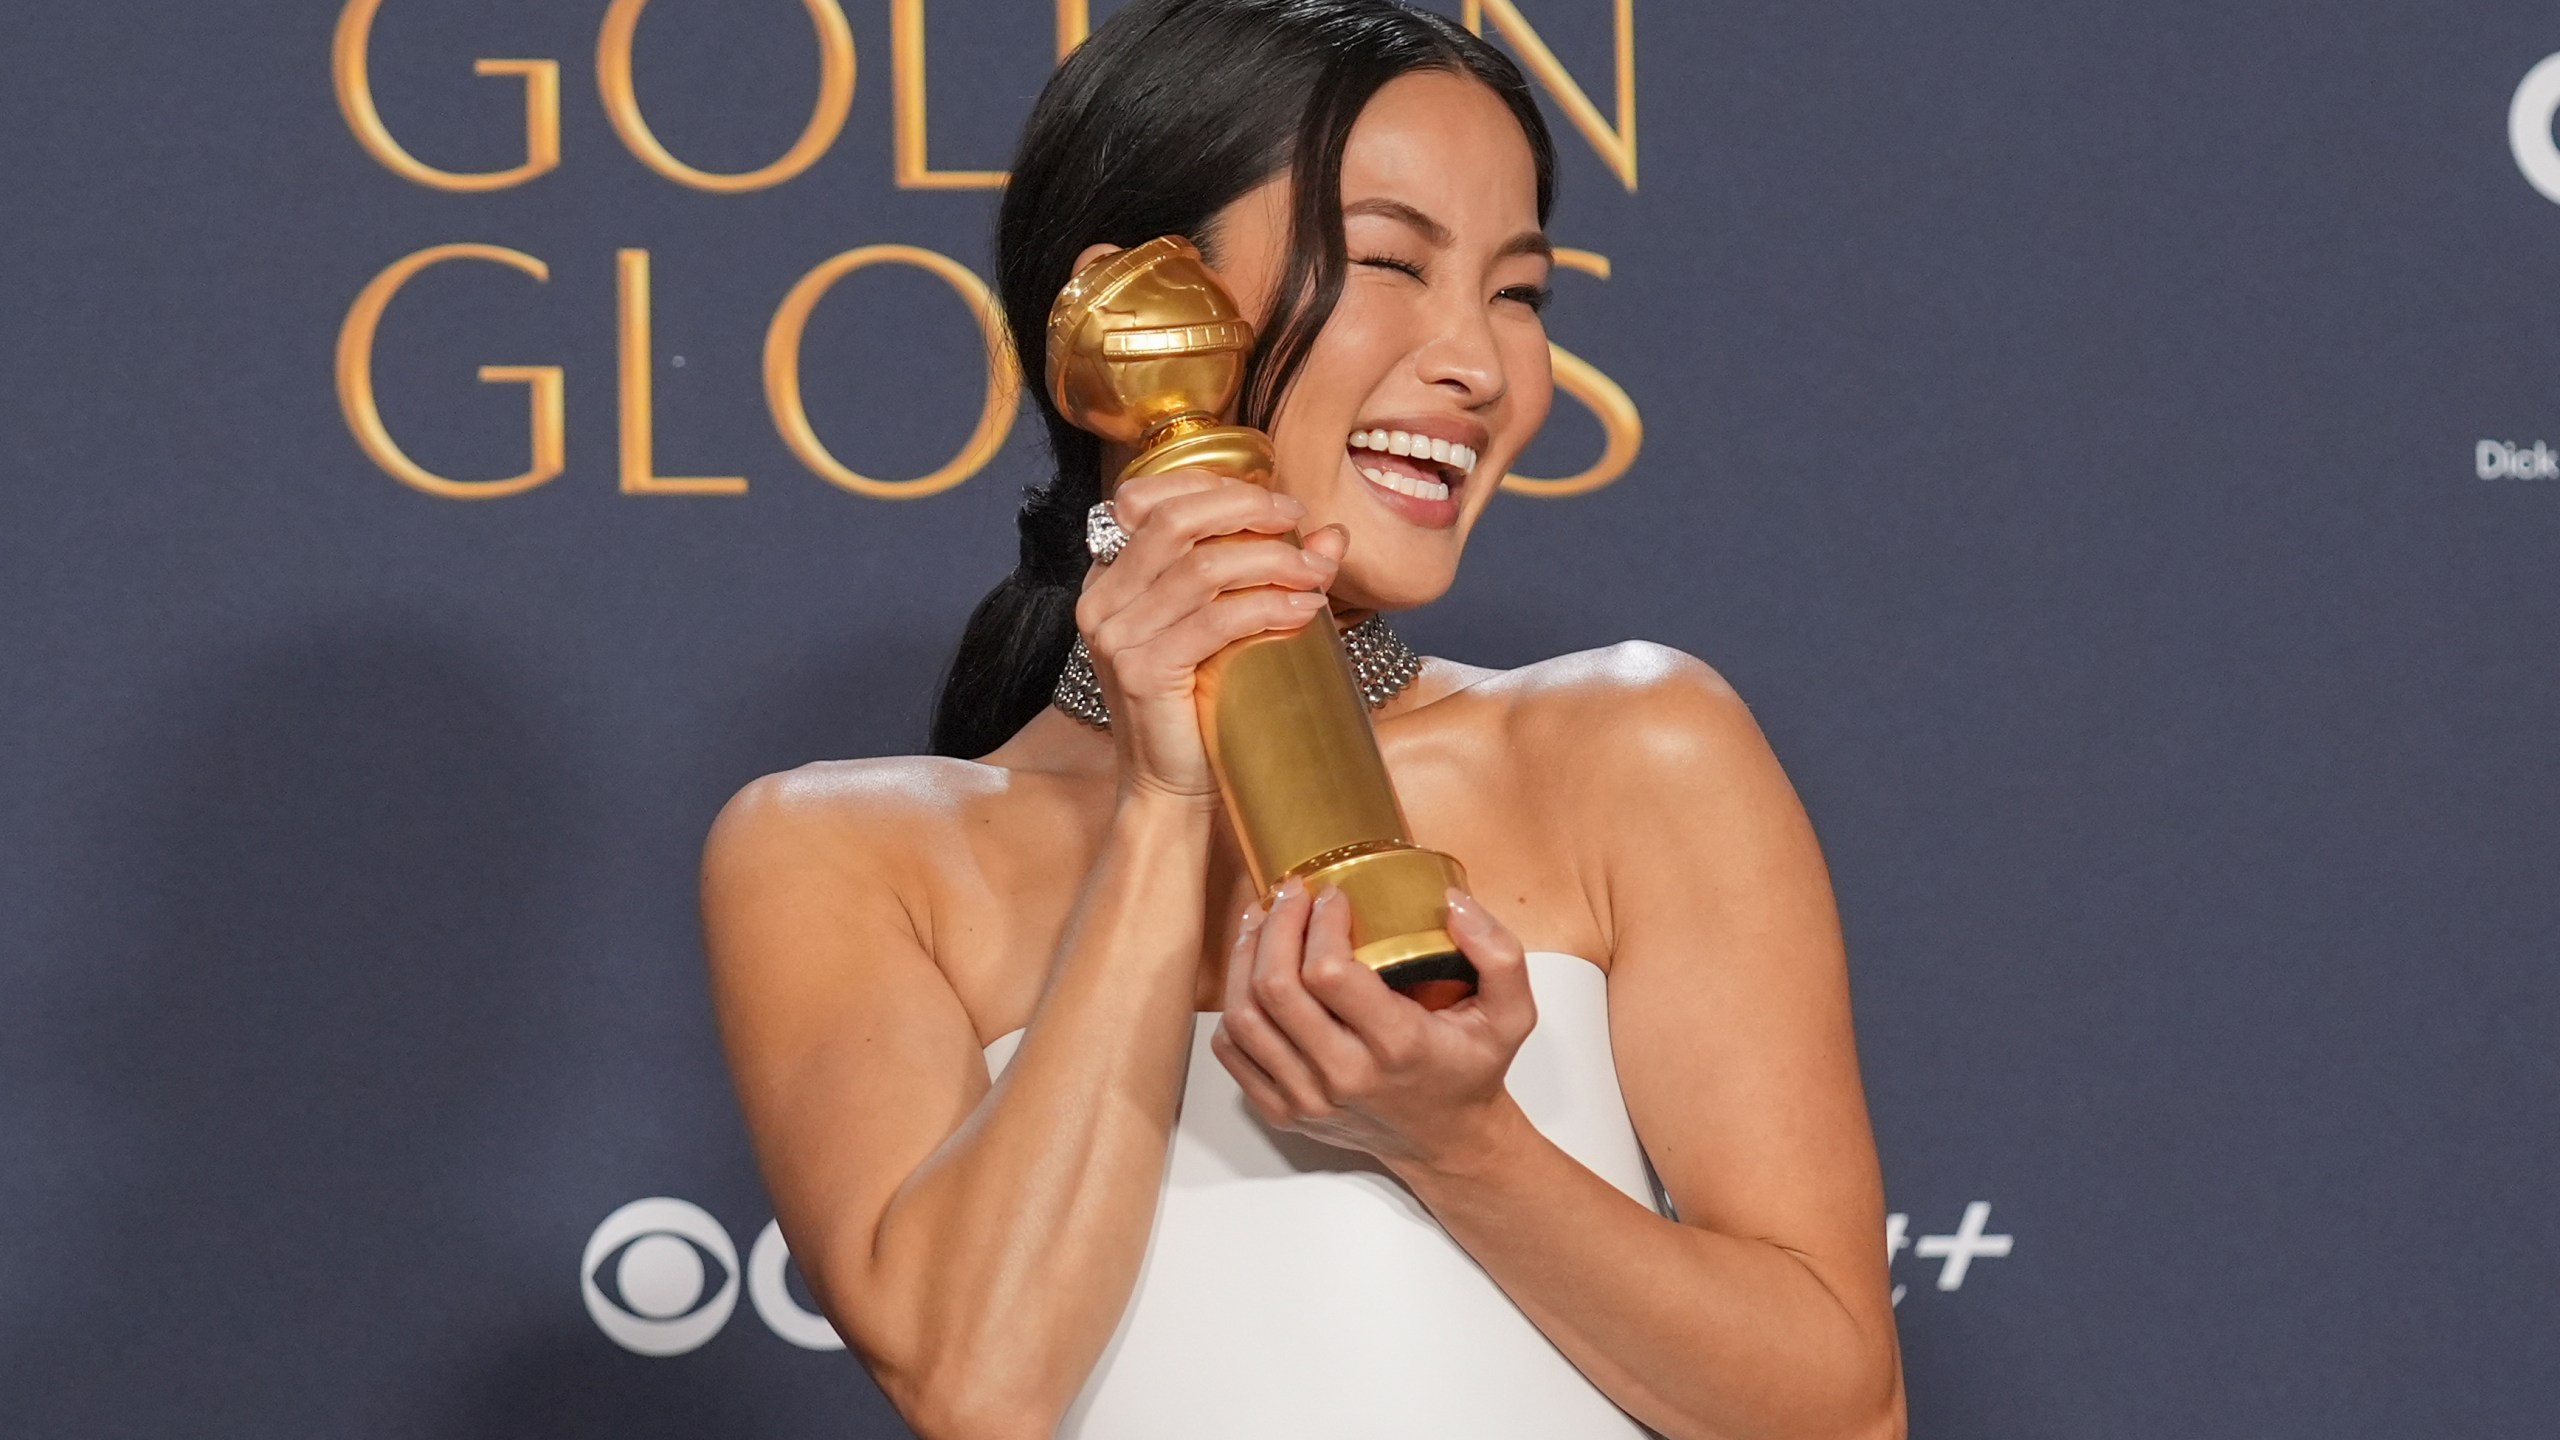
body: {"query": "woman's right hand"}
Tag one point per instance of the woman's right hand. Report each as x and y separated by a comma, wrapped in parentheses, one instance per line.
(1207, 564)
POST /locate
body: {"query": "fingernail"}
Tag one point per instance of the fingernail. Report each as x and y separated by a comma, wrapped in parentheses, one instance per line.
(1306, 599)
(1466, 914)
(1319, 561)
(1289, 507)
(1327, 898)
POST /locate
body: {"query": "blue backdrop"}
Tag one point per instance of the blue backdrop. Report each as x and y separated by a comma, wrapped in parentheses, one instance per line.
(2099, 440)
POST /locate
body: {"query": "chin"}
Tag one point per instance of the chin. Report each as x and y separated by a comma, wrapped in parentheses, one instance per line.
(1404, 588)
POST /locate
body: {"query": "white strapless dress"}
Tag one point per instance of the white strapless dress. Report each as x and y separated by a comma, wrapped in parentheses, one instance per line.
(1293, 1290)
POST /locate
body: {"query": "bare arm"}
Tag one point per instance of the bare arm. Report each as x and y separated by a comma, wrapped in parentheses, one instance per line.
(977, 1244)
(1762, 1312)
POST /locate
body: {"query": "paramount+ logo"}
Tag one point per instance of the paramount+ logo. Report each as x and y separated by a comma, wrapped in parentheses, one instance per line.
(661, 1277)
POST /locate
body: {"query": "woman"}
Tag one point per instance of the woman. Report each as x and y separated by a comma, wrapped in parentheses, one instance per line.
(1224, 1182)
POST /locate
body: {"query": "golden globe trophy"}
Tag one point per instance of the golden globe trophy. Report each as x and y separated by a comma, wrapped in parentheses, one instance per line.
(1146, 348)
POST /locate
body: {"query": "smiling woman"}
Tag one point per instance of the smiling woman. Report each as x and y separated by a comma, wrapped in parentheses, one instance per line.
(1073, 1130)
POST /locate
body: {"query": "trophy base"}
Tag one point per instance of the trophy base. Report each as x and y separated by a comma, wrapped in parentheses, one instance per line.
(1435, 982)
(1399, 918)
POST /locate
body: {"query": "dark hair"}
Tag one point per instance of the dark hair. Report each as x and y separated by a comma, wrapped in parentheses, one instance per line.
(1174, 109)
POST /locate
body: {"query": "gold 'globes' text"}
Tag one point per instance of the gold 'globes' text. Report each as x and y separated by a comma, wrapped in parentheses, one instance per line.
(1612, 137)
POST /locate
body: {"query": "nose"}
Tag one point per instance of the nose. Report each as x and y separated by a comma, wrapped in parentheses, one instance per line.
(1462, 356)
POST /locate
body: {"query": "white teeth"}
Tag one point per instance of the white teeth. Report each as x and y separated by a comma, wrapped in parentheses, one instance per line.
(1407, 485)
(1419, 447)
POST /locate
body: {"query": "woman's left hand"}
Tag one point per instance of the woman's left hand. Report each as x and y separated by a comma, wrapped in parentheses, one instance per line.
(1323, 1047)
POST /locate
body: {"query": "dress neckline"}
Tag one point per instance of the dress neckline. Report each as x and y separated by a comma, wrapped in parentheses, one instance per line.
(1272, 1255)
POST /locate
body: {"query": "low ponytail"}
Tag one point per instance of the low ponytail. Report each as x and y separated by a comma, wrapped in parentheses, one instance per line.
(1021, 630)
(1017, 639)
(1173, 110)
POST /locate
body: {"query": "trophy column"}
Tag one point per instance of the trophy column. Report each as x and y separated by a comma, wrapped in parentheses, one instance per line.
(1146, 348)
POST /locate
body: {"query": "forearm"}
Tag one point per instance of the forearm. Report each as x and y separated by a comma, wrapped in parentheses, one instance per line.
(1700, 1335)
(1016, 1244)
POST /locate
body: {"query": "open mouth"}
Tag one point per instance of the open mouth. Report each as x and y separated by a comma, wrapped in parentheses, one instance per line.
(1419, 466)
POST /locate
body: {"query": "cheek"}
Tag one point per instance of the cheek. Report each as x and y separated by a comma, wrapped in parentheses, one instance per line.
(1308, 441)
(1529, 368)
(1533, 386)
(1341, 370)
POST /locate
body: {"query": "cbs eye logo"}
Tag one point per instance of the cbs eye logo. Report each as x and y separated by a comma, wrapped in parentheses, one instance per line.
(661, 1277)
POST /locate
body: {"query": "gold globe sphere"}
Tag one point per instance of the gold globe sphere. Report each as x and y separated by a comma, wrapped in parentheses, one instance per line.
(1144, 337)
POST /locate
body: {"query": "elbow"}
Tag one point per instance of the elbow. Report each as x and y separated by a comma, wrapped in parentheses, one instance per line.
(970, 1386)
(1872, 1420)
(1892, 1425)
(971, 1402)
(949, 1378)
(1871, 1395)
(1887, 1418)
(1840, 1412)
(1866, 1406)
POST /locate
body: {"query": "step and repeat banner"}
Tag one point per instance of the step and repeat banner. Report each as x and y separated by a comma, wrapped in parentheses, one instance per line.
(451, 445)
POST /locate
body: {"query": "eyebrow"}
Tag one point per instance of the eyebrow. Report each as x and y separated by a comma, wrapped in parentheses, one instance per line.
(1527, 242)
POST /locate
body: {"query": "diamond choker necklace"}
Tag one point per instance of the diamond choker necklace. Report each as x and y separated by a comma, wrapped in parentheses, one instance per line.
(1380, 660)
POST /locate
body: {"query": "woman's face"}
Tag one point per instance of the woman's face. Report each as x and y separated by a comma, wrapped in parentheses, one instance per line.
(1437, 347)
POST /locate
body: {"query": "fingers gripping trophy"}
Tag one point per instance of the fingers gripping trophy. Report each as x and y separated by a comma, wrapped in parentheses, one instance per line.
(1147, 349)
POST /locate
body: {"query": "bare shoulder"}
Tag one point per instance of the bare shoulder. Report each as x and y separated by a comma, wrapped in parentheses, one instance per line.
(1630, 711)
(821, 888)
(845, 806)
(1642, 773)
(857, 832)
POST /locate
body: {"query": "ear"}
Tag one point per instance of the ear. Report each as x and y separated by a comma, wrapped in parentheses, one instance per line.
(1093, 253)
